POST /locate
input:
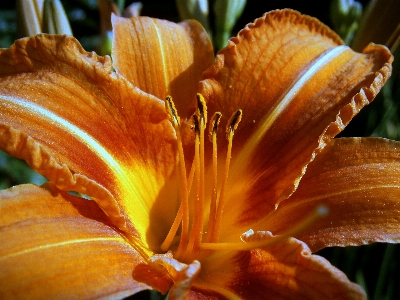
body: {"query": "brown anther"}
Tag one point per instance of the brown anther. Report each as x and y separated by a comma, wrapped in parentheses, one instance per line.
(233, 122)
(196, 125)
(216, 118)
(171, 111)
(201, 108)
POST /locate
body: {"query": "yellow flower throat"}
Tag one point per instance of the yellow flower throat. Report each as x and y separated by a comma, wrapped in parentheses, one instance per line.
(193, 244)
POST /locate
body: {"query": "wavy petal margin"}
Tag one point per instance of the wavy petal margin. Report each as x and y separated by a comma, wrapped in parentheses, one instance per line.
(86, 128)
(358, 179)
(284, 271)
(298, 87)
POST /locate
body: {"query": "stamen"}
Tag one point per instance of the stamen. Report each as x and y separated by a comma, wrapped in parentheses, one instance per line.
(201, 108)
(175, 120)
(172, 231)
(230, 129)
(319, 212)
(233, 123)
(177, 221)
(183, 242)
(200, 120)
(216, 118)
(171, 111)
(196, 232)
(202, 114)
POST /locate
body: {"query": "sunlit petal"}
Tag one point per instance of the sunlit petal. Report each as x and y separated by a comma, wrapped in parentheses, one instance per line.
(298, 87)
(236, 225)
(55, 245)
(164, 273)
(162, 58)
(285, 271)
(90, 121)
(358, 180)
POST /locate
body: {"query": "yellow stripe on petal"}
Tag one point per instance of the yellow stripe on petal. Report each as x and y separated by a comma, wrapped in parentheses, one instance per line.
(137, 186)
(39, 159)
(50, 117)
(55, 245)
(87, 129)
(298, 87)
(314, 70)
(65, 243)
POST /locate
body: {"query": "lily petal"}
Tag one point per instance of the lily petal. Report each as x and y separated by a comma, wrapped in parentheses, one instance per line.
(162, 58)
(358, 180)
(166, 274)
(298, 87)
(182, 274)
(59, 103)
(51, 237)
(284, 271)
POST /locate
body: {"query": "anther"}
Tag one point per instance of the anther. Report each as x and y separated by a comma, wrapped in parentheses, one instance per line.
(216, 118)
(233, 122)
(201, 108)
(196, 125)
(171, 111)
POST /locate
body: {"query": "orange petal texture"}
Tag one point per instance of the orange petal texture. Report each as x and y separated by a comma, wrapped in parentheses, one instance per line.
(290, 271)
(298, 87)
(85, 127)
(162, 58)
(55, 245)
(106, 134)
(358, 179)
(285, 271)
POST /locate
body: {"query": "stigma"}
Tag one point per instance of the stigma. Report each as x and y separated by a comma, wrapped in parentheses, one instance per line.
(198, 235)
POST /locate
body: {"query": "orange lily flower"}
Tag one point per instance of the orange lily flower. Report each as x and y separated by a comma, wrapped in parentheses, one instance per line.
(237, 217)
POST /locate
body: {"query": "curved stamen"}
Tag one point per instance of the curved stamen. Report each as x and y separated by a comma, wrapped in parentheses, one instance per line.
(213, 201)
(172, 231)
(202, 115)
(177, 221)
(183, 242)
(200, 120)
(175, 120)
(230, 129)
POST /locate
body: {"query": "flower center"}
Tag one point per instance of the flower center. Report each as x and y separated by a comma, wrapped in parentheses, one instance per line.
(193, 244)
(190, 244)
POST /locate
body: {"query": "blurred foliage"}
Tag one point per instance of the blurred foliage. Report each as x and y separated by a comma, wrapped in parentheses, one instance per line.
(376, 267)
(8, 27)
(345, 16)
(14, 171)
